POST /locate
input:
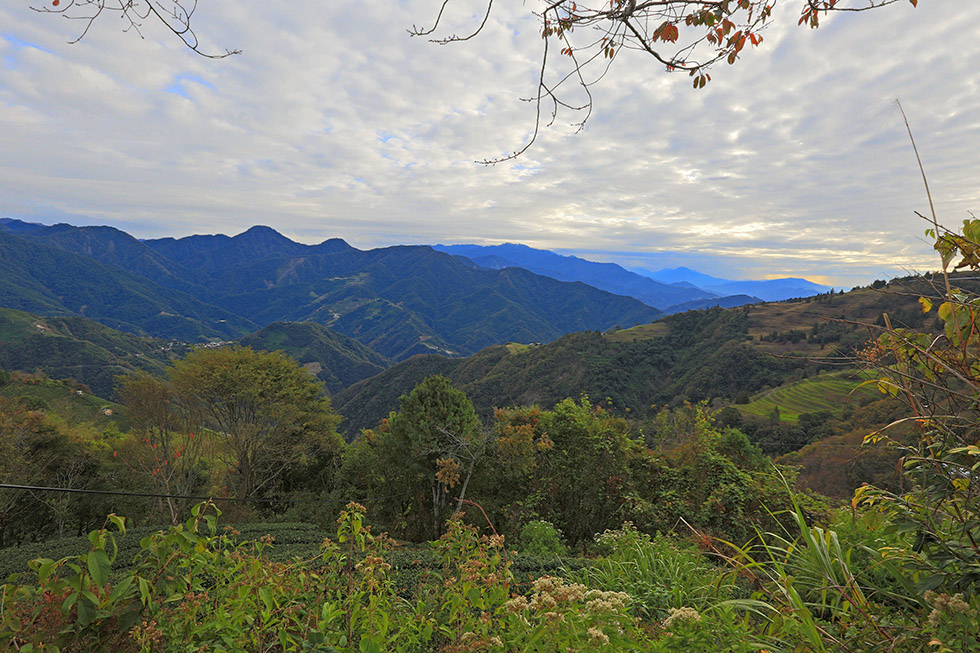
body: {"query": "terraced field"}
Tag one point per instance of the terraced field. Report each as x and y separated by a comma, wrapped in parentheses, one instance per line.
(639, 332)
(829, 392)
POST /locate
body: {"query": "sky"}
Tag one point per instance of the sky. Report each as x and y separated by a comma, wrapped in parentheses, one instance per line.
(334, 122)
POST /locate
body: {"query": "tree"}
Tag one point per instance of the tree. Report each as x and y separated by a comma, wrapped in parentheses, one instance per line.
(680, 35)
(437, 435)
(164, 450)
(567, 466)
(269, 413)
(938, 377)
(35, 450)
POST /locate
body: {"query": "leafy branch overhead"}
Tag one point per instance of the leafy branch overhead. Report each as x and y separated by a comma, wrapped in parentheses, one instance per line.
(680, 35)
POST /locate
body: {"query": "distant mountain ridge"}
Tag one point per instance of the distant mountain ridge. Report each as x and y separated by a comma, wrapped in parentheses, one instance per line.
(399, 301)
(605, 276)
(770, 290)
(669, 290)
(728, 301)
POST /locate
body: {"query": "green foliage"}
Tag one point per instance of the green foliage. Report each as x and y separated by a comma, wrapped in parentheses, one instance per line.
(291, 539)
(191, 587)
(542, 539)
(952, 622)
(659, 573)
(939, 377)
(36, 449)
(435, 442)
(268, 412)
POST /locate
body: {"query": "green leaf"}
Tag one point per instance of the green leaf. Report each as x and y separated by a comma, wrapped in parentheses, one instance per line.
(45, 567)
(128, 619)
(929, 583)
(265, 594)
(475, 597)
(146, 591)
(120, 522)
(121, 589)
(368, 645)
(99, 566)
(86, 611)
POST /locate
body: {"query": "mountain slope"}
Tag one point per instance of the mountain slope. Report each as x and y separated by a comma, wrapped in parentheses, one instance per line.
(713, 353)
(399, 301)
(87, 351)
(406, 300)
(109, 246)
(50, 281)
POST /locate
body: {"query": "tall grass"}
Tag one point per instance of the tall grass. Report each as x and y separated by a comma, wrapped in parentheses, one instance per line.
(658, 572)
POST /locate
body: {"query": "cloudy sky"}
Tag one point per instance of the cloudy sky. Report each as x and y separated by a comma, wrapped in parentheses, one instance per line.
(333, 122)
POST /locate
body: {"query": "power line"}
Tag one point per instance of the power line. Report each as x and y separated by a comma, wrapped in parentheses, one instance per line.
(154, 495)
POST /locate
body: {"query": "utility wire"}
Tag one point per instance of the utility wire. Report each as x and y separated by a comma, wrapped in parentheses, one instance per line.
(153, 495)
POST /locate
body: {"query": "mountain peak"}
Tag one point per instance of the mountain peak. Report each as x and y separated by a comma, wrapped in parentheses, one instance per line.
(331, 245)
(261, 231)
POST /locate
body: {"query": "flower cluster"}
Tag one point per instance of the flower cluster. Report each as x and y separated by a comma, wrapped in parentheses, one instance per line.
(675, 615)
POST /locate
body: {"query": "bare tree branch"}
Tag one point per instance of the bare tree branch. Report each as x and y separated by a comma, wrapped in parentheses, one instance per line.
(175, 15)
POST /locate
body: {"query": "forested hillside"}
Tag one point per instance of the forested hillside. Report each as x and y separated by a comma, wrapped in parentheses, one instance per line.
(73, 347)
(334, 359)
(50, 281)
(713, 354)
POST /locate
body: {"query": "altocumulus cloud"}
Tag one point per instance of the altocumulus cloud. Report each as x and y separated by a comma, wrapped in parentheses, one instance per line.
(333, 122)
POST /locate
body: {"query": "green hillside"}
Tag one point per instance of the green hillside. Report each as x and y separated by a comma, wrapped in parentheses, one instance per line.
(50, 281)
(81, 349)
(698, 355)
(399, 301)
(67, 401)
(334, 358)
(403, 301)
(707, 354)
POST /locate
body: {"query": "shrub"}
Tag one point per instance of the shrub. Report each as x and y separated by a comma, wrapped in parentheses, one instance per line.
(540, 538)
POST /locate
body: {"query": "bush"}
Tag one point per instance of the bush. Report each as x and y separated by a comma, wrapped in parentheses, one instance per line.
(541, 538)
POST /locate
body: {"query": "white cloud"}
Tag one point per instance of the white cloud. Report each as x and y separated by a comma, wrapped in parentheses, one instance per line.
(334, 122)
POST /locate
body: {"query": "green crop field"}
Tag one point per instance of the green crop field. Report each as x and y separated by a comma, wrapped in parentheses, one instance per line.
(829, 392)
(639, 332)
